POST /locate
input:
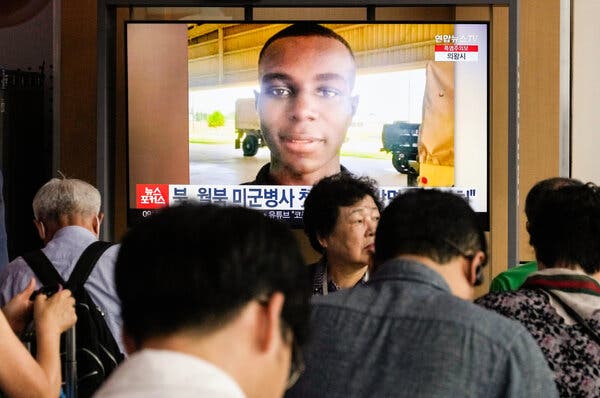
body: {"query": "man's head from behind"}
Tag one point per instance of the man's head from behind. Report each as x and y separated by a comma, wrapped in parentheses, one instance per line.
(208, 272)
(564, 229)
(66, 201)
(305, 104)
(440, 228)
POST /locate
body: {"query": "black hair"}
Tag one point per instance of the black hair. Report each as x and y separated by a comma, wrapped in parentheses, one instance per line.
(432, 223)
(565, 231)
(322, 205)
(195, 266)
(303, 29)
(542, 188)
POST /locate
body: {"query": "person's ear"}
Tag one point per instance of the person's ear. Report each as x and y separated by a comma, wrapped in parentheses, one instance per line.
(96, 222)
(40, 229)
(322, 241)
(354, 104)
(475, 269)
(270, 324)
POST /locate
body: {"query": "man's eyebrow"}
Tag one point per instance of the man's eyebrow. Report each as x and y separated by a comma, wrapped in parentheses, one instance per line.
(275, 76)
(322, 77)
(330, 76)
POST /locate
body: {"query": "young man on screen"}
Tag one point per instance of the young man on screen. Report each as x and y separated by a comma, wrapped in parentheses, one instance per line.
(305, 104)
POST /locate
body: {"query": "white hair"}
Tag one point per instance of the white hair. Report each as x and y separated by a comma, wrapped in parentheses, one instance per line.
(64, 197)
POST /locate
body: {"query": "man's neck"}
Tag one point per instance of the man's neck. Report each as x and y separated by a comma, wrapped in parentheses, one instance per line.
(452, 272)
(285, 176)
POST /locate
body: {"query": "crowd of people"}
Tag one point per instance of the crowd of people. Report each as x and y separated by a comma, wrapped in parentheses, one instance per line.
(214, 301)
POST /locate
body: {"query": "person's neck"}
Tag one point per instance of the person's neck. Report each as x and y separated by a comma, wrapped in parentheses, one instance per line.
(345, 276)
(215, 349)
(596, 276)
(452, 272)
(285, 176)
(231, 348)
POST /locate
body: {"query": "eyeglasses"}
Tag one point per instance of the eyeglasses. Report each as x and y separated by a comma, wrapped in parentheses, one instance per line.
(479, 275)
(297, 366)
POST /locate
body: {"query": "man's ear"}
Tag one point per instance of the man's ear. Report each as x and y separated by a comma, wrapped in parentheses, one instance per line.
(270, 325)
(40, 229)
(354, 104)
(473, 267)
(96, 222)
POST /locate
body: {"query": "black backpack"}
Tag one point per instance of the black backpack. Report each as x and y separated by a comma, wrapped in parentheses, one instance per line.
(96, 351)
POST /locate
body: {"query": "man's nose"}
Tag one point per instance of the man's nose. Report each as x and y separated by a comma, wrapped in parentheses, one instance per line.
(303, 107)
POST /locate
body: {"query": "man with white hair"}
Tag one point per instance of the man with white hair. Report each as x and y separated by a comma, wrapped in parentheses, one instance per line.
(67, 217)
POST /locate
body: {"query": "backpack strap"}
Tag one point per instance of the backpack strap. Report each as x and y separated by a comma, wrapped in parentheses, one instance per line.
(43, 268)
(86, 264)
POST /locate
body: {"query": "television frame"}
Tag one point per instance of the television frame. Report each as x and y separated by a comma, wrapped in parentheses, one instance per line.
(106, 77)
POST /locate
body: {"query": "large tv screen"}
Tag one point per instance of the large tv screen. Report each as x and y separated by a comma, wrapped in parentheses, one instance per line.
(213, 117)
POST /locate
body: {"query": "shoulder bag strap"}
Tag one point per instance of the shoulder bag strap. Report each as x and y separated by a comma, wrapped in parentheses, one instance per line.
(595, 336)
(43, 268)
(86, 264)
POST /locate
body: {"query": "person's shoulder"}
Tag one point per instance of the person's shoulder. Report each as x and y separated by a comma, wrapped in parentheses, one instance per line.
(15, 270)
(466, 318)
(513, 278)
(262, 177)
(14, 277)
(522, 298)
(112, 250)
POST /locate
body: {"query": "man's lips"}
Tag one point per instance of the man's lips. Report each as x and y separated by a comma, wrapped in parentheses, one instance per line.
(300, 144)
(370, 247)
(300, 139)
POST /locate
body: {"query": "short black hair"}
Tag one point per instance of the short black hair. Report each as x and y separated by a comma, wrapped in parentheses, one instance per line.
(322, 205)
(195, 266)
(303, 29)
(542, 188)
(436, 224)
(566, 229)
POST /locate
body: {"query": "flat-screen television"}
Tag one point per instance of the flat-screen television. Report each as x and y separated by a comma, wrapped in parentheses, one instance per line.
(212, 119)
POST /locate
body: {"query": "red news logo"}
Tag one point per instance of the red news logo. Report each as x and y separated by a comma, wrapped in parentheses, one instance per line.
(151, 196)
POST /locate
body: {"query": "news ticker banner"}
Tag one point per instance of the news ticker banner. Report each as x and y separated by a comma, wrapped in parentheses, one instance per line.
(266, 198)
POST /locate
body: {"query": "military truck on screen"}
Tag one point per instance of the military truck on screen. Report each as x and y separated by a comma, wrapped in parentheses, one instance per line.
(247, 127)
(401, 139)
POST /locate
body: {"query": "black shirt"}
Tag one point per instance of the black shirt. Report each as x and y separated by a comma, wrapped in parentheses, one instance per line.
(263, 177)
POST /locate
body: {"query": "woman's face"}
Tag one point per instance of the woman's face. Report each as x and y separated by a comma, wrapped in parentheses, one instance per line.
(352, 242)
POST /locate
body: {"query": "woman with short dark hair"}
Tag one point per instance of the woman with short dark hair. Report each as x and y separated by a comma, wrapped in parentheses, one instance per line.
(341, 213)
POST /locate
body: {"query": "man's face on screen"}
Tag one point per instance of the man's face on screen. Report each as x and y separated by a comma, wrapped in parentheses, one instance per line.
(305, 104)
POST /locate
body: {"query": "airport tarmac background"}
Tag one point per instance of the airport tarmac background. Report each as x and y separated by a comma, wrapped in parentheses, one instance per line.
(222, 164)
